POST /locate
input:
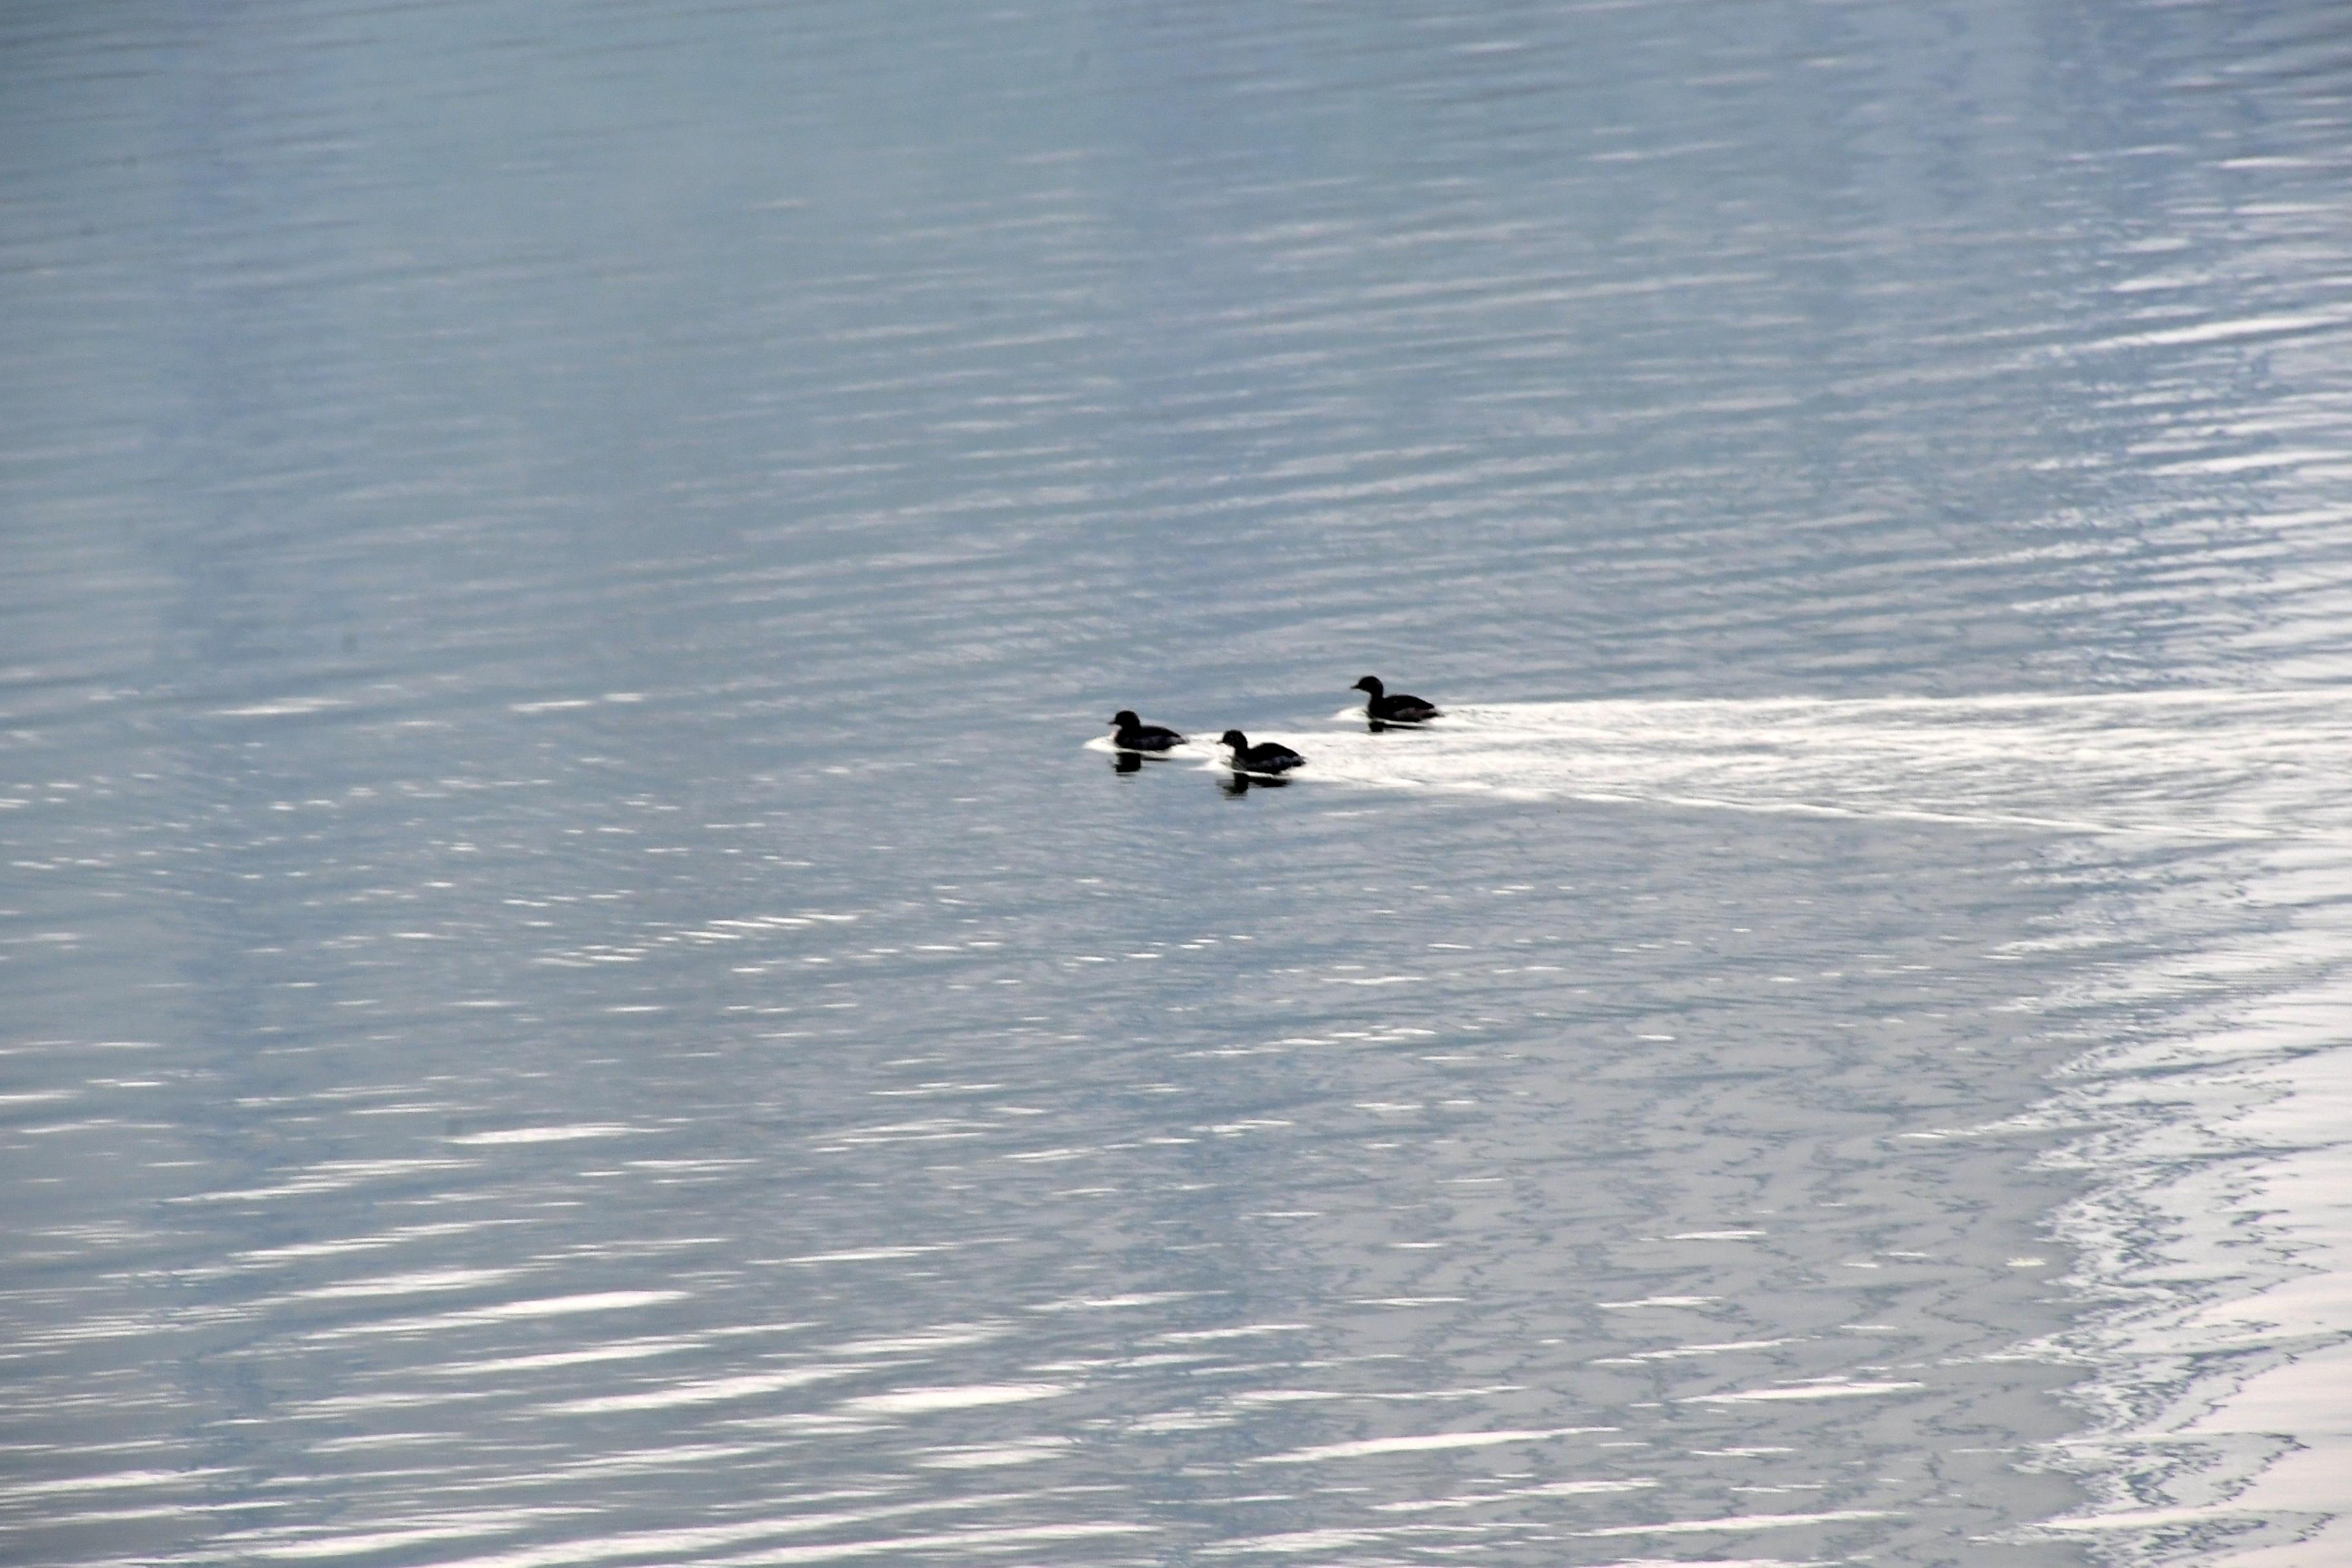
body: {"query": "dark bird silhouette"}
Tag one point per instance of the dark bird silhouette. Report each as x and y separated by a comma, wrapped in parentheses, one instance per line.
(1132, 734)
(1265, 757)
(1392, 707)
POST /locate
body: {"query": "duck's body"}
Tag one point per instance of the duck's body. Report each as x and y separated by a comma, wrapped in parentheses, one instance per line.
(1392, 707)
(1132, 734)
(1265, 757)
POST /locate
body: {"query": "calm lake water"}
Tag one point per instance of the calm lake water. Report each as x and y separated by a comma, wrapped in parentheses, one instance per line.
(578, 984)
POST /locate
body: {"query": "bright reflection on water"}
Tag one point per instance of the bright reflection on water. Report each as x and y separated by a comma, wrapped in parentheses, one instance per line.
(575, 991)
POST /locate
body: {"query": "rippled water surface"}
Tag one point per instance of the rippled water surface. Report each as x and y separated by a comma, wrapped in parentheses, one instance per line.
(577, 983)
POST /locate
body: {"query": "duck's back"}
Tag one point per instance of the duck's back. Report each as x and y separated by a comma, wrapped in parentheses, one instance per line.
(1147, 737)
(1403, 708)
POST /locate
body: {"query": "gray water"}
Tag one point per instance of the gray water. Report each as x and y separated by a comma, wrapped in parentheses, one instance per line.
(578, 987)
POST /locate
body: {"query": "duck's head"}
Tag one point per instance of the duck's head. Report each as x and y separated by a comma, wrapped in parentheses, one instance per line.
(1125, 719)
(1236, 739)
(1370, 683)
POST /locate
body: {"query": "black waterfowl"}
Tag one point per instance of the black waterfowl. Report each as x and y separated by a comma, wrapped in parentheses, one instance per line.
(1392, 707)
(1132, 734)
(1265, 757)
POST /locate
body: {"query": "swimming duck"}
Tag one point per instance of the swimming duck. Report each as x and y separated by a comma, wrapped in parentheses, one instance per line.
(1393, 708)
(1265, 757)
(1135, 735)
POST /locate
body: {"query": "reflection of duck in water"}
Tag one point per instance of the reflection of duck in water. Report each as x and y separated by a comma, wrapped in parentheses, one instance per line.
(1239, 785)
(1267, 757)
(1132, 734)
(1383, 706)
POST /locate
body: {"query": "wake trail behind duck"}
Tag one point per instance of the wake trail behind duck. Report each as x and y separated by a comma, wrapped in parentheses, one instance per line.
(2198, 765)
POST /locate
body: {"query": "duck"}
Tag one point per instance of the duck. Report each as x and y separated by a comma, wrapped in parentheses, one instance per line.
(1392, 707)
(1135, 735)
(1265, 757)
